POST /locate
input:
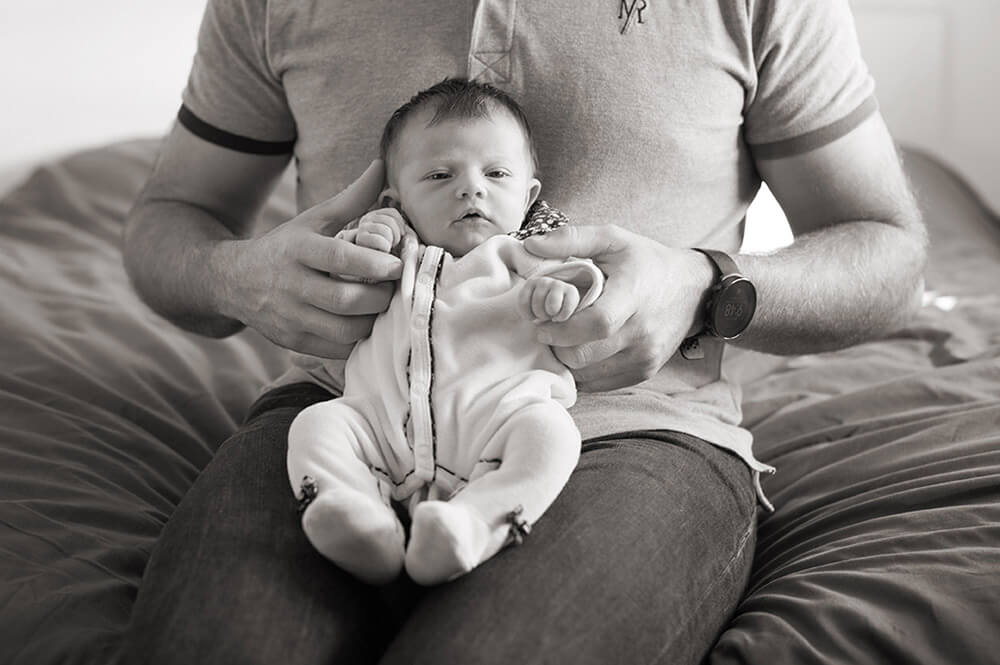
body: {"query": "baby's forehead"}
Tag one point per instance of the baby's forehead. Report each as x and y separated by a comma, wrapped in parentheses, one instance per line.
(426, 121)
(431, 118)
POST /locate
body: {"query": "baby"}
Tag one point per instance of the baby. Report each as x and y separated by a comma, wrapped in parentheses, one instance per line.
(451, 405)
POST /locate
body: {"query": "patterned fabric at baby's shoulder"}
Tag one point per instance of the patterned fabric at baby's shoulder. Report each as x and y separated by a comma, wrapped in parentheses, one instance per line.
(541, 219)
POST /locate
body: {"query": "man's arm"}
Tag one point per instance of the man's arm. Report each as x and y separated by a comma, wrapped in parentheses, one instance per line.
(188, 252)
(198, 196)
(854, 271)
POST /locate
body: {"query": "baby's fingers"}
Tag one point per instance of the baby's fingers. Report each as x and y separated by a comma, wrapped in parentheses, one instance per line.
(543, 298)
(553, 302)
(375, 236)
(393, 221)
(531, 300)
(380, 230)
(548, 299)
(524, 298)
(568, 300)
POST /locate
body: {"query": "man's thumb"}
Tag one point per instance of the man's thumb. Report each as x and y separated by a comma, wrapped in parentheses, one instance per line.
(567, 241)
(356, 199)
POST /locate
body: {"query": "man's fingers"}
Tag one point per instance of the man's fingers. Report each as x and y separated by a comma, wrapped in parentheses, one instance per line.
(587, 357)
(311, 330)
(335, 255)
(600, 321)
(314, 345)
(353, 202)
(618, 370)
(345, 298)
(344, 330)
(580, 241)
(587, 326)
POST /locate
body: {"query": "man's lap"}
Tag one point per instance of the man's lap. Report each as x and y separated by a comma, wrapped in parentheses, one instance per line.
(642, 558)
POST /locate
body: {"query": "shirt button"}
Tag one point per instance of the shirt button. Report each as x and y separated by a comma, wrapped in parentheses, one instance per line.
(425, 279)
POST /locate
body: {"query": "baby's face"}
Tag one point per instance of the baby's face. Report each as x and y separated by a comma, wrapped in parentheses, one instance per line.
(460, 182)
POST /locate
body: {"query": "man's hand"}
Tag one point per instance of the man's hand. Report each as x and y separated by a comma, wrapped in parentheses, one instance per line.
(649, 305)
(281, 283)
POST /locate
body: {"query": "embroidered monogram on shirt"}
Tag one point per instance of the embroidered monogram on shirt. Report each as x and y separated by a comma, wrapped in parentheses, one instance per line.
(628, 10)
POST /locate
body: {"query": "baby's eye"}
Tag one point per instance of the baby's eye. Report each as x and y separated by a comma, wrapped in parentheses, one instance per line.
(440, 175)
(498, 173)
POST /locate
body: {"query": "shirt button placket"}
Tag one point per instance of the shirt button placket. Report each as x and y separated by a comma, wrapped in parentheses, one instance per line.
(492, 38)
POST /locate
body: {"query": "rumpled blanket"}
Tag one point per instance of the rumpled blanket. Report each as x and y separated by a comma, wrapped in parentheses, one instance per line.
(884, 546)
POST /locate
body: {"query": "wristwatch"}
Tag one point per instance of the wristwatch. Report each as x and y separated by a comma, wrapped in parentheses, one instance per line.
(731, 301)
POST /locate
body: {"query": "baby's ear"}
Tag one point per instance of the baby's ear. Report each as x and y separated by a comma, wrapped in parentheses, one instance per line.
(534, 189)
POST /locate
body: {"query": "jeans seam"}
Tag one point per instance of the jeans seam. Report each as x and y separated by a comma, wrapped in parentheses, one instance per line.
(737, 553)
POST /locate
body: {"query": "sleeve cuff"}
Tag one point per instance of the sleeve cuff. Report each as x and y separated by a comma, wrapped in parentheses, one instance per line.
(817, 138)
(221, 137)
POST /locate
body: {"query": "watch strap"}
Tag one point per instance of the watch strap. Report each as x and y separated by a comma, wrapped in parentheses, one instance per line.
(729, 277)
(722, 261)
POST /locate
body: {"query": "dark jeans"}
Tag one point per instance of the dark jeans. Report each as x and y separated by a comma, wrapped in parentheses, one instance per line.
(641, 559)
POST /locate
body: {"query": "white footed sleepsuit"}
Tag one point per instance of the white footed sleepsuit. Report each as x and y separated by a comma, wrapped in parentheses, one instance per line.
(452, 397)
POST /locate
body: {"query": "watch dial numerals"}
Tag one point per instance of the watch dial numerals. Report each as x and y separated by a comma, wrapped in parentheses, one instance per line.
(735, 308)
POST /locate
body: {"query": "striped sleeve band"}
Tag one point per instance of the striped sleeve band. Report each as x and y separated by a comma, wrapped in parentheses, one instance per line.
(221, 137)
(817, 138)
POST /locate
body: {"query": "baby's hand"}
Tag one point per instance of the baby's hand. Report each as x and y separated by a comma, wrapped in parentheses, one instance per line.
(548, 299)
(379, 230)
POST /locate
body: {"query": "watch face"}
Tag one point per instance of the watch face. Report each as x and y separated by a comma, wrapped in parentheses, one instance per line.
(734, 308)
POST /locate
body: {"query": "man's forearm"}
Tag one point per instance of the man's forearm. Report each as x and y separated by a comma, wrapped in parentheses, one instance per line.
(176, 256)
(835, 287)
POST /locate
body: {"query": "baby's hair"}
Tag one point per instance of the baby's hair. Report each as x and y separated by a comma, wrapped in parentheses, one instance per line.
(456, 99)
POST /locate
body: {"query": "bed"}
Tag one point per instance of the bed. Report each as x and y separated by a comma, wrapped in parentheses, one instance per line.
(885, 545)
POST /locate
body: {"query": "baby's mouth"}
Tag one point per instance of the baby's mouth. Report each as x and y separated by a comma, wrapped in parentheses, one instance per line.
(473, 216)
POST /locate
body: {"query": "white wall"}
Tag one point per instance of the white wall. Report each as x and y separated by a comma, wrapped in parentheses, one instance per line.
(79, 73)
(936, 65)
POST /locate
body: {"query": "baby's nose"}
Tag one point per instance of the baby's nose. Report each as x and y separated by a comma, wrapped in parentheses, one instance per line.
(471, 187)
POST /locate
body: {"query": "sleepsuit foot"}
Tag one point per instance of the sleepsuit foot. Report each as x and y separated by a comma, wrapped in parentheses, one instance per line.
(539, 446)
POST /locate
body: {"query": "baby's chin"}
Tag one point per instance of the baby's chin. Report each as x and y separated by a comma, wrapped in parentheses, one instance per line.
(464, 239)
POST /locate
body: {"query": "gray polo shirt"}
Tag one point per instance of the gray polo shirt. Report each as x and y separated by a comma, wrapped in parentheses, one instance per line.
(647, 114)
